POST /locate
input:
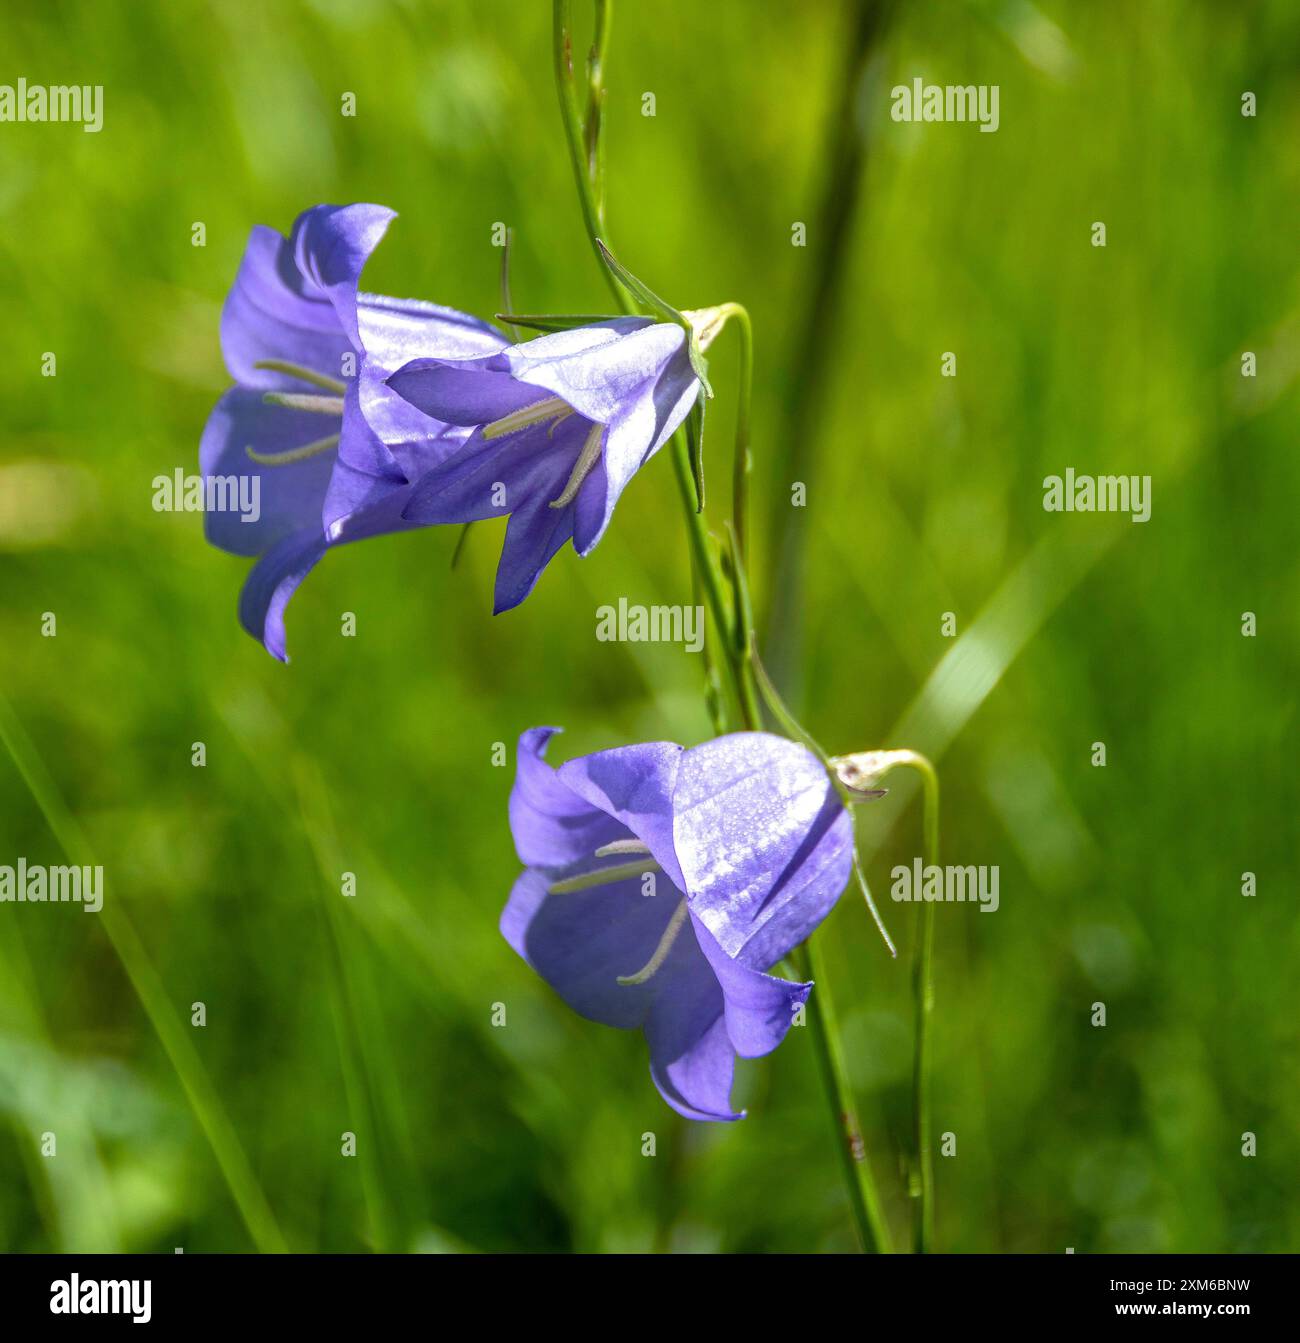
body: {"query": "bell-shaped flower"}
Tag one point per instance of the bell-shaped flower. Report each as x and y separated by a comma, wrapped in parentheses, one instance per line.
(330, 448)
(560, 424)
(661, 883)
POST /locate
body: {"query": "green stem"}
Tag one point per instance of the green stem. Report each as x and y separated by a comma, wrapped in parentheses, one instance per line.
(595, 143)
(741, 461)
(922, 996)
(864, 1201)
(923, 992)
(573, 131)
(743, 641)
(706, 565)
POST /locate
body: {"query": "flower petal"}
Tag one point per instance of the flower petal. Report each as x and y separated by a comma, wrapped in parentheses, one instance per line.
(764, 842)
(331, 245)
(463, 391)
(534, 535)
(759, 1008)
(366, 474)
(591, 510)
(351, 493)
(272, 581)
(393, 333)
(580, 942)
(294, 299)
(289, 497)
(486, 478)
(691, 1058)
(633, 438)
(553, 826)
(595, 374)
(634, 784)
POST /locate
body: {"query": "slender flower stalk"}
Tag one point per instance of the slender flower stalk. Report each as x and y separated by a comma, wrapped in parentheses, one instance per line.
(595, 143)
(862, 771)
(864, 1200)
(587, 162)
(742, 461)
(706, 566)
(923, 993)
(743, 644)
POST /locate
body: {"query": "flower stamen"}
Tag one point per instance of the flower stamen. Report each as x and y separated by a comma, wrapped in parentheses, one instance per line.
(622, 846)
(548, 408)
(648, 970)
(302, 374)
(309, 401)
(294, 454)
(587, 459)
(603, 876)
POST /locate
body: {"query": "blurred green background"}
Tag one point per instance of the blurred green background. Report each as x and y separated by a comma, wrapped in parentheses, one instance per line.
(372, 754)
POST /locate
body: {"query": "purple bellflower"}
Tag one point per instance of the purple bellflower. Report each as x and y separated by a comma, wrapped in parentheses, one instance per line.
(661, 883)
(556, 428)
(332, 450)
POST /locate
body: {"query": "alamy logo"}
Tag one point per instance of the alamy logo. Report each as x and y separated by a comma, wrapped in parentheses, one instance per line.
(181, 493)
(919, 101)
(54, 102)
(651, 624)
(1098, 494)
(934, 884)
(37, 885)
(73, 1296)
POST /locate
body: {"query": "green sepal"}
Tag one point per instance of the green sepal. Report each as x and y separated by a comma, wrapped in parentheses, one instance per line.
(556, 321)
(695, 449)
(647, 297)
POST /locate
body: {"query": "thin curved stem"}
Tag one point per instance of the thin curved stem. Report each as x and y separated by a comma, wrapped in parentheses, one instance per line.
(742, 462)
(579, 154)
(706, 566)
(864, 1200)
(922, 988)
(743, 640)
(923, 993)
(595, 143)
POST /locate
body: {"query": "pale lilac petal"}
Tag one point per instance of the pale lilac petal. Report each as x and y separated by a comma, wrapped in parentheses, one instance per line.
(581, 942)
(377, 516)
(394, 332)
(331, 245)
(552, 826)
(599, 380)
(534, 535)
(273, 581)
(276, 576)
(633, 438)
(590, 510)
(289, 497)
(578, 340)
(759, 1008)
(764, 842)
(691, 1058)
(486, 478)
(274, 312)
(634, 784)
(351, 492)
(465, 391)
